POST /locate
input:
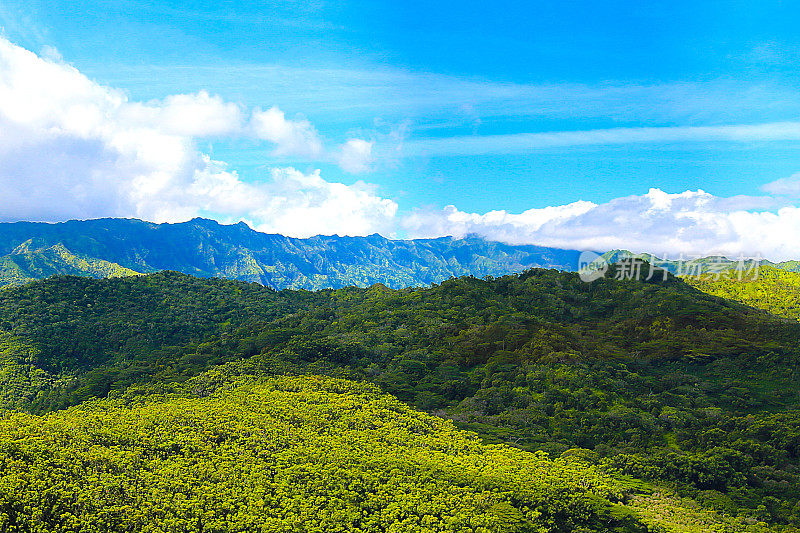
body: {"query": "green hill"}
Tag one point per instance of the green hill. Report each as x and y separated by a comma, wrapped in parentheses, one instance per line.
(28, 263)
(774, 290)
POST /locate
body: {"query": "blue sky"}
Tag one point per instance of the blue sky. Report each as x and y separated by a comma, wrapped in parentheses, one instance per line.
(510, 106)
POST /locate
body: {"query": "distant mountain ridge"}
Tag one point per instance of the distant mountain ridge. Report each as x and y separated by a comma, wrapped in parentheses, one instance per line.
(205, 248)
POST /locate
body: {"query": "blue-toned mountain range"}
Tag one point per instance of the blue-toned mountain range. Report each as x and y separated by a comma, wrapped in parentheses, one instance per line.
(202, 247)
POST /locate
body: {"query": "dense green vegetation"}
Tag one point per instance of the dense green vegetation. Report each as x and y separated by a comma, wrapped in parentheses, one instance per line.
(200, 247)
(288, 454)
(25, 264)
(771, 289)
(655, 380)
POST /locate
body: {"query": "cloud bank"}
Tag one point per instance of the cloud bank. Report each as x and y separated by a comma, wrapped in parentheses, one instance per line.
(70, 148)
(688, 223)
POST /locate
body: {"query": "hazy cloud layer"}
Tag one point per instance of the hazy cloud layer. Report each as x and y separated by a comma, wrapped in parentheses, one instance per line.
(435, 101)
(191, 115)
(789, 186)
(356, 156)
(522, 142)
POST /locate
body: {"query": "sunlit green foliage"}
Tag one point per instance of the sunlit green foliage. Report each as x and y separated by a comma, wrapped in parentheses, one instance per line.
(287, 454)
(28, 263)
(665, 509)
(771, 289)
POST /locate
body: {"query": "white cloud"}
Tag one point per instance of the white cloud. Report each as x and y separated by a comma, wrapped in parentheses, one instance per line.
(356, 156)
(691, 222)
(293, 203)
(70, 148)
(190, 115)
(784, 186)
(496, 225)
(291, 137)
(301, 203)
(51, 53)
(299, 138)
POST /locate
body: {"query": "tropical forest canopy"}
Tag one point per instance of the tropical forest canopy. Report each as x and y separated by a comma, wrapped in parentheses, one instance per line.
(682, 403)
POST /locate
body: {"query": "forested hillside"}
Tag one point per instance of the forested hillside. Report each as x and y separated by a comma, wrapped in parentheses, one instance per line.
(774, 290)
(205, 248)
(288, 454)
(652, 379)
(25, 264)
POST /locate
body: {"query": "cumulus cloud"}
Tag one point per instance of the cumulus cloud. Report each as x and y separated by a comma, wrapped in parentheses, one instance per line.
(293, 203)
(191, 115)
(300, 203)
(689, 223)
(298, 138)
(291, 137)
(71, 148)
(356, 156)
